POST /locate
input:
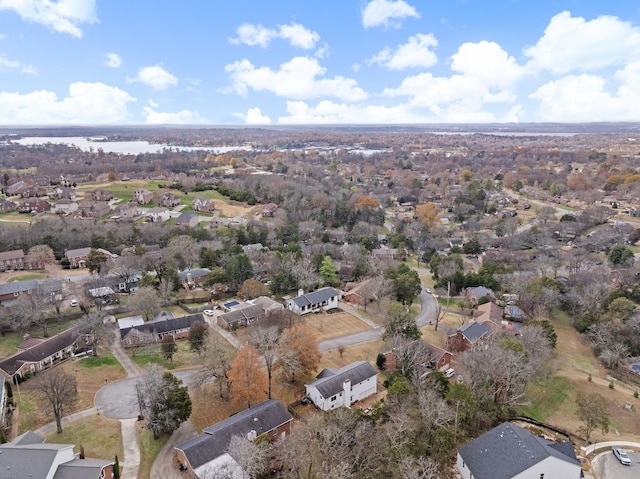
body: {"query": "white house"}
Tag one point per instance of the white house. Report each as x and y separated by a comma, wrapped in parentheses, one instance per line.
(324, 298)
(342, 387)
(512, 452)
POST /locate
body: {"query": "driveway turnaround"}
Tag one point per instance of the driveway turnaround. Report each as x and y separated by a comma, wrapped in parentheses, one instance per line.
(119, 400)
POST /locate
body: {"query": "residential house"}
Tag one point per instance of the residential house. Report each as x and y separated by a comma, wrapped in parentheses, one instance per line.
(269, 210)
(322, 299)
(509, 451)
(158, 213)
(33, 205)
(194, 278)
(46, 354)
(16, 188)
(250, 248)
(436, 359)
(389, 254)
(62, 192)
(466, 337)
(334, 388)
(100, 194)
(268, 305)
(126, 211)
(93, 209)
(361, 293)
(205, 454)
(142, 196)
(64, 206)
(202, 205)
(7, 206)
(78, 257)
(153, 331)
(13, 290)
(479, 293)
(169, 200)
(188, 219)
(28, 456)
(241, 316)
(17, 260)
(488, 312)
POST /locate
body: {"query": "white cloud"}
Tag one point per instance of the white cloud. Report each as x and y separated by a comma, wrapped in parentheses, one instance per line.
(297, 78)
(6, 64)
(574, 44)
(485, 75)
(152, 103)
(113, 60)
(87, 103)
(257, 35)
(578, 98)
(183, 117)
(254, 116)
(156, 77)
(416, 53)
(62, 16)
(387, 13)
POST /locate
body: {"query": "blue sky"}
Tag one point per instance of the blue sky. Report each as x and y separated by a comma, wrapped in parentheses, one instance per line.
(246, 62)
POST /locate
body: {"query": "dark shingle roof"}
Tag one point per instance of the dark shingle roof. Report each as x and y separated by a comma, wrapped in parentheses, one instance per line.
(81, 469)
(215, 439)
(160, 326)
(474, 331)
(331, 384)
(248, 313)
(46, 285)
(41, 351)
(316, 297)
(508, 450)
(28, 460)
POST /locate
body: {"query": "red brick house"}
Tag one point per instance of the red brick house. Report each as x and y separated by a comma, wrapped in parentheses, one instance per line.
(437, 359)
(203, 205)
(33, 205)
(468, 336)
(154, 331)
(17, 260)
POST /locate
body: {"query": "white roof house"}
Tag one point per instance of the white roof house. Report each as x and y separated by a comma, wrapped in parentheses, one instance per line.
(324, 298)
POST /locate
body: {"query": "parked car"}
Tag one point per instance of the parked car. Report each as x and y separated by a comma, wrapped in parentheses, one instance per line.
(449, 373)
(73, 303)
(622, 455)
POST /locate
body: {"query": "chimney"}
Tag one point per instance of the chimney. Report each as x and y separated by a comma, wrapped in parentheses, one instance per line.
(346, 388)
(301, 292)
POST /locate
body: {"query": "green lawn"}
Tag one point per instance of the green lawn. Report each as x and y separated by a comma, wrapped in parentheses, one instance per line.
(184, 357)
(149, 449)
(28, 276)
(100, 437)
(546, 396)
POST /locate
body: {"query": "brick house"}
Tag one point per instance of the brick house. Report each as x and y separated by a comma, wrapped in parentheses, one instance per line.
(269, 210)
(468, 336)
(203, 205)
(45, 354)
(478, 293)
(205, 454)
(17, 260)
(15, 289)
(169, 200)
(100, 194)
(154, 331)
(94, 209)
(436, 359)
(7, 206)
(142, 196)
(32, 205)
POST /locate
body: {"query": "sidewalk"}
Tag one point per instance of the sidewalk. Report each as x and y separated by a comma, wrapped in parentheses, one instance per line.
(356, 312)
(131, 368)
(131, 461)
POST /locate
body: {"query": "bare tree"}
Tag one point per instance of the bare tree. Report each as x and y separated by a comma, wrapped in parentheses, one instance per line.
(266, 341)
(216, 365)
(593, 413)
(59, 389)
(146, 301)
(252, 456)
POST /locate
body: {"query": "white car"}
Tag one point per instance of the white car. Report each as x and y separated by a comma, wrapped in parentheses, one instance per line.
(622, 455)
(73, 303)
(449, 373)
(209, 312)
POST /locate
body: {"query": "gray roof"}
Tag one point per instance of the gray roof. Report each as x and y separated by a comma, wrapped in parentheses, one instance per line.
(316, 297)
(331, 384)
(508, 450)
(26, 438)
(195, 273)
(160, 326)
(46, 285)
(213, 442)
(40, 351)
(248, 313)
(28, 460)
(481, 292)
(81, 469)
(474, 331)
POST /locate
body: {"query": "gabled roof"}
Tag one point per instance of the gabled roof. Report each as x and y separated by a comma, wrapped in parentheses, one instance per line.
(31, 460)
(481, 292)
(44, 285)
(474, 331)
(331, 384)
(316, 297)
(77, 253)
(508, 450)
(160, 326)
(15, 254)
(27, 438)
(247, 313)
(39, 352)
(215, 439)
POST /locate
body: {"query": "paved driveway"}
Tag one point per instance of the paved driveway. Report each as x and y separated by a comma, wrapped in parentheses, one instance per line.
(608, 466)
